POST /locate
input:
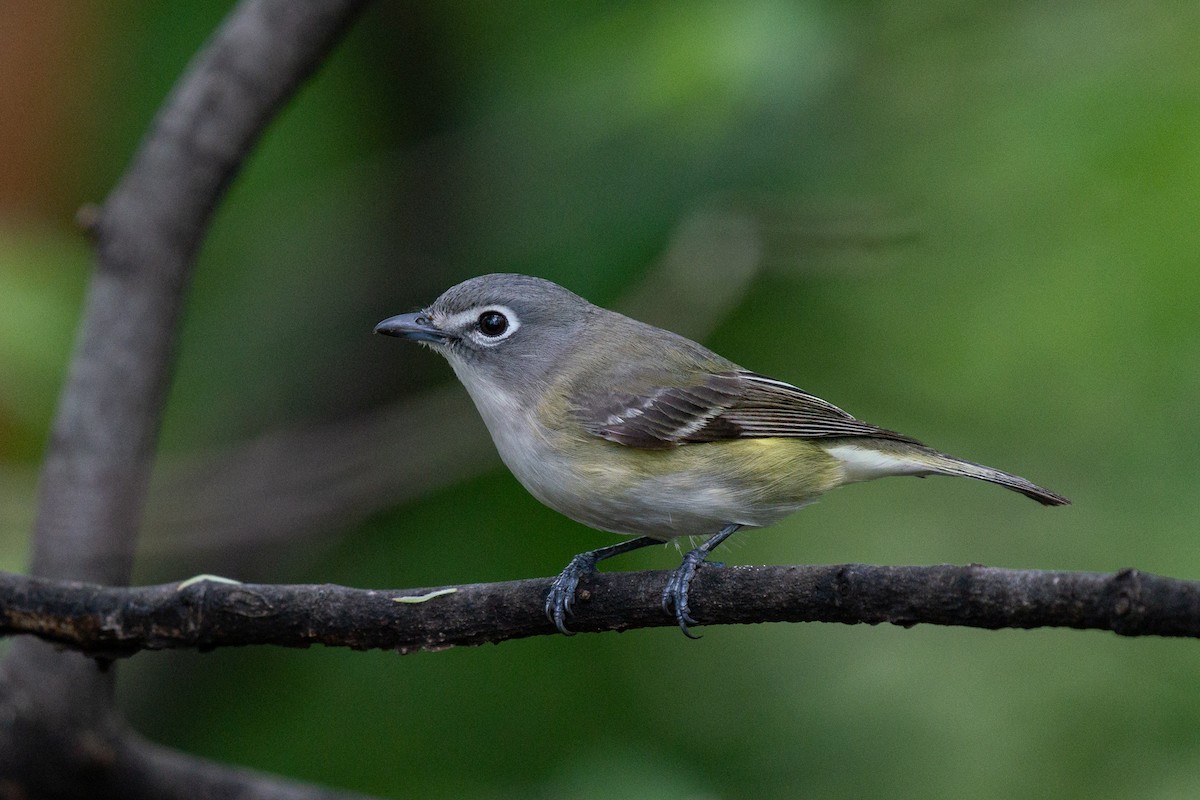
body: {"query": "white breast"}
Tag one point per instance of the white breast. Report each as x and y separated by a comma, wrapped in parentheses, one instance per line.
(674, 505)
(516, 433)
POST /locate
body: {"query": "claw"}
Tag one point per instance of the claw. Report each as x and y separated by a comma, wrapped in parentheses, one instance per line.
(675, 593)
(562, 592)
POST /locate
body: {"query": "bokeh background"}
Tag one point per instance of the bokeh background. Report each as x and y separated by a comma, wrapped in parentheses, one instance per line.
(972, 222)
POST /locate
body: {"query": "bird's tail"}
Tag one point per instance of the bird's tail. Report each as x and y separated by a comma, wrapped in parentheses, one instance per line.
(949, 465)
(874, 458)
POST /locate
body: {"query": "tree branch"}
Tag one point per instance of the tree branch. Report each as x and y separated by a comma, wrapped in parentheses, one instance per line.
(94, 479)
(112, 622)
(147, 233)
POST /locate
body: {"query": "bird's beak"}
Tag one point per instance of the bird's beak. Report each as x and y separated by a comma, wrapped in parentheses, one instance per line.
(416, 327)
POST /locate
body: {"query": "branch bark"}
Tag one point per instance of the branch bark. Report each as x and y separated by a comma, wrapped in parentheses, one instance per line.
(94, 478)
(147, 233)
(110, 622)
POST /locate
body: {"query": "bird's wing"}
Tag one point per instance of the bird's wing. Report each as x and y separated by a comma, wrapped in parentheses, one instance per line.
(725, 405)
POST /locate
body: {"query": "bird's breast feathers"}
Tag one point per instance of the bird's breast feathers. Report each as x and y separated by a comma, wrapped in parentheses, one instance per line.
(659, 492)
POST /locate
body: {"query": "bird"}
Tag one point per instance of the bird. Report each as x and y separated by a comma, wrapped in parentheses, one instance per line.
(634, 430)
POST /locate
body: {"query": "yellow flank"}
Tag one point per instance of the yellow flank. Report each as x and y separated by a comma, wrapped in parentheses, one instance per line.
(689, 490)
(774, 470)
(752, 482)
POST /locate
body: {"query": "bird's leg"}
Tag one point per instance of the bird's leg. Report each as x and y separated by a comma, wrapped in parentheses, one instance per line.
(675, 593)
(562, 591)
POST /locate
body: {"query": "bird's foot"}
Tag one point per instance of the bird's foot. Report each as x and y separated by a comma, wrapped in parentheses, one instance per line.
(562, 591)
(675, 593)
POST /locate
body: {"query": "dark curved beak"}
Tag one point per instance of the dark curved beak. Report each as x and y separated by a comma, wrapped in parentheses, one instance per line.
(416, 327)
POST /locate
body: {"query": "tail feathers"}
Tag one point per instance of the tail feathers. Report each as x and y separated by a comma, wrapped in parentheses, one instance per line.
(949, 465)
(866, 459)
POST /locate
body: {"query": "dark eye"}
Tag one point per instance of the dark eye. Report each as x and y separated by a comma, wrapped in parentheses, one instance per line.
(492, 323)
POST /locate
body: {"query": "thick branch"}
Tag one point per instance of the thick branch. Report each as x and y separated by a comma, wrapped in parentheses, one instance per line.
(60, 727)
(147, 234)
(112, 622)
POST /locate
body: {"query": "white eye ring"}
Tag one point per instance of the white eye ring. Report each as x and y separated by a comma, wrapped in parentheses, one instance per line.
(471, 323)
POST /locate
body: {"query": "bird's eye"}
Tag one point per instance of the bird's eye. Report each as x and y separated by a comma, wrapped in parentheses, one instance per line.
(492, 323)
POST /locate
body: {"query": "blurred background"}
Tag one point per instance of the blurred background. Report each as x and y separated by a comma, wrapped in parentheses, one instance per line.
(972, 222)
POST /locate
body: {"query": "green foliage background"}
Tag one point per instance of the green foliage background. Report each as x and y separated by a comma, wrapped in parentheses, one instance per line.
(979, 226)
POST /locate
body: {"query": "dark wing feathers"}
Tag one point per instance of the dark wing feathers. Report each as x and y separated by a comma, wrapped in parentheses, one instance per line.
(726, 405)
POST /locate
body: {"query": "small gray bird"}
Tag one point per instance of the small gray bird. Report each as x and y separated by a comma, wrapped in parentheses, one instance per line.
(632, 429)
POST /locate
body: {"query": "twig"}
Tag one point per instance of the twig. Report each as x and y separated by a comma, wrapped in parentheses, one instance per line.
(113, 622)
